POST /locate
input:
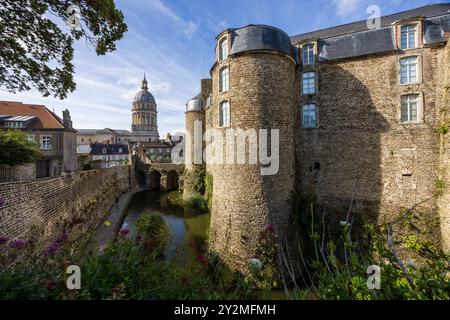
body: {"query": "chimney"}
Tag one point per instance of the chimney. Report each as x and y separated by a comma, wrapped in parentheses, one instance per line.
(67, 121)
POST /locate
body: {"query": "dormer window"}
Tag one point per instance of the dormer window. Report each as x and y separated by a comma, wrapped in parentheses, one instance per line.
(308, 54)
(223, 49)
(408, 36)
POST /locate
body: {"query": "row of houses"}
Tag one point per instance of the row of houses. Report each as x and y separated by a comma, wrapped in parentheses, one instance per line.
(65, 149)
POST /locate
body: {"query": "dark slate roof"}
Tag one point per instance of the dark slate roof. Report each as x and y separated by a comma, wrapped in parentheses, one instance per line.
(260, 37)
(97, 148)
(353, 40)
(155, 145)
(428, 11)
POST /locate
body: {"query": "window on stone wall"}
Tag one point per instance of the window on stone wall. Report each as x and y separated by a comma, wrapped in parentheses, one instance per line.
(309, 115)
(30, 138)
(308, 54)
(408, 36)
(410, 108)
(408, 70)
(224, 78)
(46, 142)
(224, 114)
(223, 49)
(309, 83)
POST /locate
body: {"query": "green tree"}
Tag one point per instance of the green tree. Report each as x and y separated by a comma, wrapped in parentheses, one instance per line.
(15, 149)
(36, 48)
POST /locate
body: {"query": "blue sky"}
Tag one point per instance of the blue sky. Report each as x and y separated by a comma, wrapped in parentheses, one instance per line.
(173, 42)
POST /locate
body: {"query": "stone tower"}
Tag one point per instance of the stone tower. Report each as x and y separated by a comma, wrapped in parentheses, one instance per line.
(144, 125)
(195, 116)
(254, 79)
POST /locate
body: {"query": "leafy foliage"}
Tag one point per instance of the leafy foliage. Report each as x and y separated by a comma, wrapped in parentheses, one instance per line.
(153, 231)
(16, 149)
(337, 268)
(36, 51)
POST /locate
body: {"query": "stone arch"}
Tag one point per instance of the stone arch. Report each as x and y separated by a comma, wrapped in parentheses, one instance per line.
(142, 179)
(172, 180)
(154, 180)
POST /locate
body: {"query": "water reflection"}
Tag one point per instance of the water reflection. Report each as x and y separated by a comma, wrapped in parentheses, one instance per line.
(187, 225)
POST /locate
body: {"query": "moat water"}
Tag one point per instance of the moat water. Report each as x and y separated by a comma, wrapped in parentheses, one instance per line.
(188, 226)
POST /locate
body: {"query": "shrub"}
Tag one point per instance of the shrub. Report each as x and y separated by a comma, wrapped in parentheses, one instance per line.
(337, 267)
(153, 231)
(16, 149)
(198, 202)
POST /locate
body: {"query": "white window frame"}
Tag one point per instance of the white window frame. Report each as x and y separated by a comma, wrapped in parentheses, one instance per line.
(224, 80)
(223, 48)
(405, 63)
(419, 107)
(224, 122)
(303, 118)
(307, 80)
(31, 138)
(308, 54)
(46, 142)
(407, 36)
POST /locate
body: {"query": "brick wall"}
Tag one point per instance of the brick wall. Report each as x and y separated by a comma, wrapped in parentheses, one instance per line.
(39, 211)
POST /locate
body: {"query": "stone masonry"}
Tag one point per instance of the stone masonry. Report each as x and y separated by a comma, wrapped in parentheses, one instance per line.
(359, 152)
(39, 211)
(243, 205)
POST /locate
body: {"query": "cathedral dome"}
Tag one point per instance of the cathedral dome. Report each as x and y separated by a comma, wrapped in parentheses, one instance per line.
(144, 95)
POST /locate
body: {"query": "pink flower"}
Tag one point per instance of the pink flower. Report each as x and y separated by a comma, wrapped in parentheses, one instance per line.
(124, 232)
(202, 260)
(270, 228)
(51, 284)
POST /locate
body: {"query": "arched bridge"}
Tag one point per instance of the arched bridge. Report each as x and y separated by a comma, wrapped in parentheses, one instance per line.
(158, 176)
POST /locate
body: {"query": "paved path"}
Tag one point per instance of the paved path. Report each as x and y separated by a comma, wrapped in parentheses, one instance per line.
(105, 234)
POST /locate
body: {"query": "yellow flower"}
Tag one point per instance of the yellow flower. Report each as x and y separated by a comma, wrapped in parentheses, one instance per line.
(107, 223)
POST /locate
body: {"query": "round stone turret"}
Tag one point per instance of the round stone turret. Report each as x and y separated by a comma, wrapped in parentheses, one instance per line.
(259, 95)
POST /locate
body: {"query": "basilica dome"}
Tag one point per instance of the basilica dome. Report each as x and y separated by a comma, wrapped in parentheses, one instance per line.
(144, 95)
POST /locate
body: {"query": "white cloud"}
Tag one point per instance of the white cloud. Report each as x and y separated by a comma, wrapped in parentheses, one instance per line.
(191, 28)
(187, 26)
(346, 7)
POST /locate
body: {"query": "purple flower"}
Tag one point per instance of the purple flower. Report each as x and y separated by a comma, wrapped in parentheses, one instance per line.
(52, 249)
(17, 244)
(61, 238)
(138, 238)
(3, 239)
(2, 201)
